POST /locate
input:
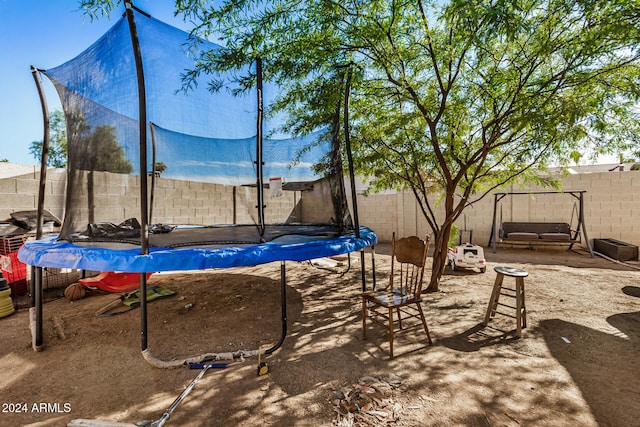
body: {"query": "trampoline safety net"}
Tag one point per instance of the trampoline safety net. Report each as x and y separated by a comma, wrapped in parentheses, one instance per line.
(194, 135)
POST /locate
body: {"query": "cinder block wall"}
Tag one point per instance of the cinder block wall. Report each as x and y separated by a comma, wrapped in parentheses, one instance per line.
(379, 212)
(20, 192)
(116, 197)
(611, 204)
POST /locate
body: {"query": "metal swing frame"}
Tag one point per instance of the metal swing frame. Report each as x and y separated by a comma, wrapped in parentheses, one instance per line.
(581, 228)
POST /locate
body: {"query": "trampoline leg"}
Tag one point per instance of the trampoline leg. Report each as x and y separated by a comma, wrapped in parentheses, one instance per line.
(38, 340)
(283, 292)
(373, 266)
(143, 311)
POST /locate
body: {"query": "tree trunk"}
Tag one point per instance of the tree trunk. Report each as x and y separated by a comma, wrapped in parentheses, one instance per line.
(440, 246)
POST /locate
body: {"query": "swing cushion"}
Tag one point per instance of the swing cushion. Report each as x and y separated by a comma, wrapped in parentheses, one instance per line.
(558, 231)
(522, 235)
(555, 236)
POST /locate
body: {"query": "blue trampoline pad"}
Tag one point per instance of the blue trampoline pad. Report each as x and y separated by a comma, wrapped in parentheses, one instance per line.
(294, 245)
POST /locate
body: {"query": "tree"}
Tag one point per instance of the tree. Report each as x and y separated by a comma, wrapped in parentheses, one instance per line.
(449, 98)
(91, 148)
(104, 153)
(57, 156)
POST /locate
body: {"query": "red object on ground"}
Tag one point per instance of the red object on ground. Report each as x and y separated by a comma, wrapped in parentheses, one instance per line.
(113, 282)
(15, 271)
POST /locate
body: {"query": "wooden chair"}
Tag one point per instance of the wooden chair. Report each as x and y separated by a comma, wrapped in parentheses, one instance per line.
(403, 294)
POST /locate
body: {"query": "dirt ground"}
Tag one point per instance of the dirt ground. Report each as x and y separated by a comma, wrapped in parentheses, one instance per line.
(576, 363)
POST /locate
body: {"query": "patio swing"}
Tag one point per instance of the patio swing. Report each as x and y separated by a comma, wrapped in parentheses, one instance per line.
(540, 233)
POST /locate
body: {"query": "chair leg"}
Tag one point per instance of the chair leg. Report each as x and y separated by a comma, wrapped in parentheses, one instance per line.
(399, 318)
(424, 323)
(364, 318)
(390, 333)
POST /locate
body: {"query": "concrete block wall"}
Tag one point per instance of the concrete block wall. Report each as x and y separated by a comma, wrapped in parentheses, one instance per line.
(394, 212)
(277, 209)
(379, 212)
(20, 192)
(314, 206)
(116, 197)
(611, 204)
(188, 202)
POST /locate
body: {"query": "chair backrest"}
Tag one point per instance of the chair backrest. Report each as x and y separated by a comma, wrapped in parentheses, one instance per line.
(408, 255)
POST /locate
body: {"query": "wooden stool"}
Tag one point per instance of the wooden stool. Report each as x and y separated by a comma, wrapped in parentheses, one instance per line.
(516, 293)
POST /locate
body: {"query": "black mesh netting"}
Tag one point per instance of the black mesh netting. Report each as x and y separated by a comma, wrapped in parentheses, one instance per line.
(194, 135)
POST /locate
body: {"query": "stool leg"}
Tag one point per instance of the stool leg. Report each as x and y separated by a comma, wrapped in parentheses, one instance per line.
(524, 306)
(519, 306)
(493, 302)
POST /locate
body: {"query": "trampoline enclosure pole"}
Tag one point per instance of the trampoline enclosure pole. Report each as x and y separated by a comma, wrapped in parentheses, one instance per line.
(142, 122)
(142, 125)
(259, 162)
(36, 275)
(45, 151)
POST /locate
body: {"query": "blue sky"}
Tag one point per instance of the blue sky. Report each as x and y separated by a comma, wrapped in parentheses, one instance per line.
(45, 34)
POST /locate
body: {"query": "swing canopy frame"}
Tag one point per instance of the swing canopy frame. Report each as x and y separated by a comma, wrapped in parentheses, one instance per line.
(540, 233)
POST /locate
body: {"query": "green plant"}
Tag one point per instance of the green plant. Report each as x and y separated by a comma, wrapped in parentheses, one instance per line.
(454, 236)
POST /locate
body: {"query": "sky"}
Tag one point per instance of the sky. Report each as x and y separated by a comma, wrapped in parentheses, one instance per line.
(46, 33)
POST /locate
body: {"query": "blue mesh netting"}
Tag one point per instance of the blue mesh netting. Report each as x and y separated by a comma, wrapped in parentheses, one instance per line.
(232, 162)
(197, 134)
(105, 74)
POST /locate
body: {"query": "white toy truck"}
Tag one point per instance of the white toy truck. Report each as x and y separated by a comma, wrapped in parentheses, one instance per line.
(467, 256)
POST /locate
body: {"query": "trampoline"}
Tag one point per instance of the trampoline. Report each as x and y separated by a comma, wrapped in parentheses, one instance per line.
(263, 195)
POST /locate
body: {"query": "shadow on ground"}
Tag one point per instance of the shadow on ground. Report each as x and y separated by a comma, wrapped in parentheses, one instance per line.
(600, 361)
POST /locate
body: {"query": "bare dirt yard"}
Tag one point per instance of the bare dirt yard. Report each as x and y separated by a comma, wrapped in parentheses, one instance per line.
(577, 363)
